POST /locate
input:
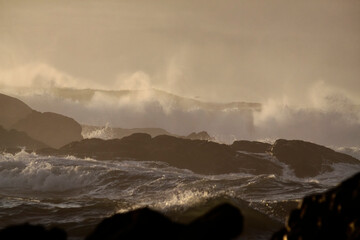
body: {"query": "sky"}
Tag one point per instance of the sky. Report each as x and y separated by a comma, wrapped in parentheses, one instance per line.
(231, 50)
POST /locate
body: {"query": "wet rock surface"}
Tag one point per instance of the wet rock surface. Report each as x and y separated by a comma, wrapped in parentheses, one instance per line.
(308, 159)
(334, 214)
(199, 156)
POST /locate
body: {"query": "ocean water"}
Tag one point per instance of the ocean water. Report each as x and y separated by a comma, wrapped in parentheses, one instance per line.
(76, 194)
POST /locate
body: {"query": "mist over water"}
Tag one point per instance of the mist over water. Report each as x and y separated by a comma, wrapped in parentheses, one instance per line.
(326, 116)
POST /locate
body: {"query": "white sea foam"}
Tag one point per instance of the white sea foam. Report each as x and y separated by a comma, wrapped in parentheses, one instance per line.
(352, 151)
(32, 172)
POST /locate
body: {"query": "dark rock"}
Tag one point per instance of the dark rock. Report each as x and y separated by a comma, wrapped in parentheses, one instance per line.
(51, 128)
(223, 222)
(197, 155)
(12, 110)
(54, 129)
(107, 132)
(200, 136)
(334, 214)
(27, 231)
(251, 146)
(308, 159)
(138, 224)
(12, 139)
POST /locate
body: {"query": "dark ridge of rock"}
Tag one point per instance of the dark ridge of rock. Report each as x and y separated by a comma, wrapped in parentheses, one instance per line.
(308, 159)
(27, 231)
(138, 224)
(200, 136)
(251, 146)
(197, 155)
(14, 140)
(12, 110)
(334, 214)
(54, 129)
(223, 222)
(107, 132)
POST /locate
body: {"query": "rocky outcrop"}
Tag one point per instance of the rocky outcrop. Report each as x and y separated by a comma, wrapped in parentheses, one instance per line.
(251, 146)
(308, 159)
(27, 231)
(12, 110)
(197, 155)
(223, 222)
(206, 157)
(12, 139)
(107, 132)
(334, 214)
(200, 136)
(54, 129)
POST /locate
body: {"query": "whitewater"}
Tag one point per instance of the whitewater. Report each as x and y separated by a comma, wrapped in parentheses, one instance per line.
(76, 194)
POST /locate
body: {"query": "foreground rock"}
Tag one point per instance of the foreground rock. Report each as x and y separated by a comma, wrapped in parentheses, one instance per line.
(199, 156)
(12, 139)
(53, 129)
(308, 159)
(334, 214)
(222, 222)
(27, 231)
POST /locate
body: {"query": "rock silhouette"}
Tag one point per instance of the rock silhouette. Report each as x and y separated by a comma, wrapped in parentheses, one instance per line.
(27, 231)
(334, 214)
(223, 222)
(205, 157)
(12, 139)
(308, 159)
(197, 155)
(12, 110)
(53, 129)
(200, 136)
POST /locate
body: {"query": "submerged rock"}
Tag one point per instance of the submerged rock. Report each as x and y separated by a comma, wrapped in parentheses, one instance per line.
(27, 231)
(308, 159)
(334, 214)
(222, 222)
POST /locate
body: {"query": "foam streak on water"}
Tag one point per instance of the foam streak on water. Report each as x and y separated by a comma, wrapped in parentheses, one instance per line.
(77, 193)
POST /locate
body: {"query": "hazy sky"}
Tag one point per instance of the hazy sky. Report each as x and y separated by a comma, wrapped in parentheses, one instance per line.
(216, 50)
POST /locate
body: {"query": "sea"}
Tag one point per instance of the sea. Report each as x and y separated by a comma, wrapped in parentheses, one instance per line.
(76, 194)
